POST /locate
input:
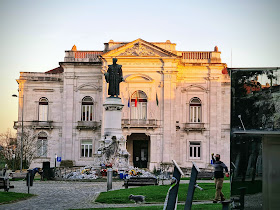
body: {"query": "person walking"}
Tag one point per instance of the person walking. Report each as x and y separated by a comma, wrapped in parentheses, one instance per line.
(219, 167)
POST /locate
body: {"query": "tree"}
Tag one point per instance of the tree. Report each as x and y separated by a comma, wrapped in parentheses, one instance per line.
(29, 146)
(256, 105)
(8, 144)
(12, 145)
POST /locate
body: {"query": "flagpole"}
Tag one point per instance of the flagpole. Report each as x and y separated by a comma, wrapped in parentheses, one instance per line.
(129, 101)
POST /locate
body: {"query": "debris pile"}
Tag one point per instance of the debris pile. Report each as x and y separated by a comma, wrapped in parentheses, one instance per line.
(82, 173)
(138, 172)
(89, 172)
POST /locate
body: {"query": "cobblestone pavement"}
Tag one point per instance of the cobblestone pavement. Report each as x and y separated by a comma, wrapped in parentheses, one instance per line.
(67, 194)
(58, 194)
(253, 202)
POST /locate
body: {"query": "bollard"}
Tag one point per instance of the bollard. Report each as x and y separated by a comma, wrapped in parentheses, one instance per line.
(109, 179)
(226, 205)
(28, 180)
(242, 194)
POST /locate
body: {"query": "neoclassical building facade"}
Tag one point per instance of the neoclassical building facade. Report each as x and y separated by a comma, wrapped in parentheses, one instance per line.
(176, 105)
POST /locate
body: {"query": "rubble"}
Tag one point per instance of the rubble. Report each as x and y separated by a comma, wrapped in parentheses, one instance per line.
(82, 173)
(89, 172)
(138, 172)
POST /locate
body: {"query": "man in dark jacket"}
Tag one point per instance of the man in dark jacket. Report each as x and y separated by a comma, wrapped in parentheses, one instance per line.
(219, 177)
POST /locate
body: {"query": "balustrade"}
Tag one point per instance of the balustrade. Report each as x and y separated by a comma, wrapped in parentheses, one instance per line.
(82, 56)
(139, 123)
(196, 55)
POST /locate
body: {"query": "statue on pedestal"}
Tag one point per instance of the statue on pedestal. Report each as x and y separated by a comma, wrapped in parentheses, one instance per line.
(114, 77)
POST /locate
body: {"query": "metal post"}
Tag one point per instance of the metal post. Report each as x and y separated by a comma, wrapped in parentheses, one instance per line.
(21, 145)
(55, 165)
(109, 179)
(28, 182)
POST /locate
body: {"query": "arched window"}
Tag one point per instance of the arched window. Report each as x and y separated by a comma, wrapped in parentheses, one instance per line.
(43, 109)
(87, 109)
(42, 144)
(139, 105)
(195, 110)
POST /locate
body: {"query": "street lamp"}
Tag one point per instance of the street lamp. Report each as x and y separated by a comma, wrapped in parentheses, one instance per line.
(21, 145)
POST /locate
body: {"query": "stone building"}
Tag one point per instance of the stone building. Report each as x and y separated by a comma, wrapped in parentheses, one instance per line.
(176, 105)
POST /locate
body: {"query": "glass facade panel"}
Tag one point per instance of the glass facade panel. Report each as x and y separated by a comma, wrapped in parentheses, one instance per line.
(255, 108)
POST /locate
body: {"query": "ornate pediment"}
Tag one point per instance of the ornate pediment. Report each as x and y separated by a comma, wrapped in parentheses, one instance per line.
(139, 48)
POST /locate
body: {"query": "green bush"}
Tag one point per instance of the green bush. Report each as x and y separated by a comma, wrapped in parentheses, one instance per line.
(66, 163)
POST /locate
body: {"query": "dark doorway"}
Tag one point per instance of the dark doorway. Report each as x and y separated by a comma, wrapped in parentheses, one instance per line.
(140, 153)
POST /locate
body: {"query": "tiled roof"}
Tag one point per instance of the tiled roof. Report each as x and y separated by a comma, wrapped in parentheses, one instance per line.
(57, 70)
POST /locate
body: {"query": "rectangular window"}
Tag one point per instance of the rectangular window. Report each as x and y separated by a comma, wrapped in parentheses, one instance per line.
(195, 150)
(195, 114)
(87, 112)
(139, 112)
(86, 148)
(43, 112)
(42, 147)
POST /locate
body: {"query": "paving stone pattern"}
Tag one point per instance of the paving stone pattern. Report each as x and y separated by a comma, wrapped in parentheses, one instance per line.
(58, 194)
(70, 195)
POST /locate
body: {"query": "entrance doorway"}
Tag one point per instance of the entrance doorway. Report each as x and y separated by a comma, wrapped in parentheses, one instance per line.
(140, 153)
(138, 145)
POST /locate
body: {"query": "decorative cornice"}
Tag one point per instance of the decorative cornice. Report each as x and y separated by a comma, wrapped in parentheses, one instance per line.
(43, 90)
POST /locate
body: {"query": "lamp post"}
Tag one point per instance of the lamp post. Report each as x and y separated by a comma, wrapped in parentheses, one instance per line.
(21, 144)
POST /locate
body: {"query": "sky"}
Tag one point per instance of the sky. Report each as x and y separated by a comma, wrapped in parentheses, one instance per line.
(35, 34)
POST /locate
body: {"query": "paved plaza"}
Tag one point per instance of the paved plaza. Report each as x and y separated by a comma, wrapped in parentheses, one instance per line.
(59, 194)
(69, 195)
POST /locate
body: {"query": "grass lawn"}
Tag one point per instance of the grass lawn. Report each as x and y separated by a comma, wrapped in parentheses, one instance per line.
(157, 194)
(9, 197)
(188, 178)
(179, 207)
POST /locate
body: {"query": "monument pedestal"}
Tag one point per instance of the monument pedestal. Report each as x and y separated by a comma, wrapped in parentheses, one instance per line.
(113, 145)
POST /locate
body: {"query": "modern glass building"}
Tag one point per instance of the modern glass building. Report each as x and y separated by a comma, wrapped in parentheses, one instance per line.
(255, 136)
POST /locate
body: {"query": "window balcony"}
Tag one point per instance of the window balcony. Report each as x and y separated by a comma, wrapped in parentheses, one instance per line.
(139, 123)
(88, 125)
(42, 124)
(34, 124)
(194, 127)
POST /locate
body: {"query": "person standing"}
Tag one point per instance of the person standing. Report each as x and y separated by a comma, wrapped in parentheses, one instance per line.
(219, 167)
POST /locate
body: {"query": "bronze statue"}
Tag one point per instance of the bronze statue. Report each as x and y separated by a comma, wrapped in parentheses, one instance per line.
(114, 77)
